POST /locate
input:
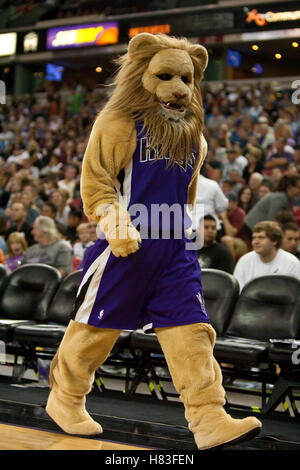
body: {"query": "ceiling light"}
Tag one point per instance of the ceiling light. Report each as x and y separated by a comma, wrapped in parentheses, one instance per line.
(255, 47)
(98, 69)
(278, 56)
(295, 44)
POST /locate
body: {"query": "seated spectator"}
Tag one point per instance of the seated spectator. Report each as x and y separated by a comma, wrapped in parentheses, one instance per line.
(32, 212)
(74, 220)
(265, 187)
(93, 231)
(84, 240)
(92, 228)
(255, 164)
(280, 158)
(49, 248)
(253, 142)
(49, 210)
(254, 182)
(32, 189)
(17, 217)
(233, 163)
(216, 119)
(49, 185)
(227, 186)
(234, 237)
(241, 159)
(16, 248)
(13, 187)
(264, 133)
(246, 198)
(214, 170)
(284, 217)
(267, 257)
(70, 180)
(213, 254)
(54, 167)
(59, 198)
(291, 238)
(282, 199)
(235, 180)
(210, 199)
(255, 109)
(276, 176)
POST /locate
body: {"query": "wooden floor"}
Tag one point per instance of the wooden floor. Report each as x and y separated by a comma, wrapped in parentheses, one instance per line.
(22, 438)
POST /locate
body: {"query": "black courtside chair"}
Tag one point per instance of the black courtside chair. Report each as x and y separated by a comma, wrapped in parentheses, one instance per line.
(221, 292)
(41, 340)
(268, 308)
(25, 297)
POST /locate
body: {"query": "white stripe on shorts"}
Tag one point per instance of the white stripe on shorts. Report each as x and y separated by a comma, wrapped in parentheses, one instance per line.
(97, 267)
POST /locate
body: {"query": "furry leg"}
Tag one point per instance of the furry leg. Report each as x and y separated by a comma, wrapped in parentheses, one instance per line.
(197, 377)
(82, 350)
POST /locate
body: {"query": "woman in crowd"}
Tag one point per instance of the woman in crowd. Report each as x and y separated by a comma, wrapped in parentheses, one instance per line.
(246, 198)
(255, 164)
(49, 248)
(59, 198)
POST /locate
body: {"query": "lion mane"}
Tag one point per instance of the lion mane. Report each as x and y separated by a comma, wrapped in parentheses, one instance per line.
(130, 98)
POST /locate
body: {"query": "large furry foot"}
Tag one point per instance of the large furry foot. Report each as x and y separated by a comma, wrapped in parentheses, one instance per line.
(226, 431)
(71, 418)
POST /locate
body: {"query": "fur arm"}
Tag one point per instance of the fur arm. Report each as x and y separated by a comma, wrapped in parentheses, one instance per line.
(192, 191)
(111, 145)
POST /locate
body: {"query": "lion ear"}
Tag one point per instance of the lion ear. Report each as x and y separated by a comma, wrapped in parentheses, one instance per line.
(201, 54)
(140, 41)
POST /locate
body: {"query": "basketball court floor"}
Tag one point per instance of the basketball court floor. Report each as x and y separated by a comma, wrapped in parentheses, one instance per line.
(133, 423)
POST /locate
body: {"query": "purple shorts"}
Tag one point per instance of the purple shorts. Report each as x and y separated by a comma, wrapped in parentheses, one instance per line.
(159, 286)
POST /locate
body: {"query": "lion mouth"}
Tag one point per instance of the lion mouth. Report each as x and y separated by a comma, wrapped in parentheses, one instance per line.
(173, 106)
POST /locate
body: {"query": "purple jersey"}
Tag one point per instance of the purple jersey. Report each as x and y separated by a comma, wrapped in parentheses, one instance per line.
(154, 194)
(160, 285)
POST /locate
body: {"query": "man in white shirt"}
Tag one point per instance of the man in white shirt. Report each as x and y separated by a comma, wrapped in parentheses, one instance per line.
(210, 199)
(267, 257)
(233, 163)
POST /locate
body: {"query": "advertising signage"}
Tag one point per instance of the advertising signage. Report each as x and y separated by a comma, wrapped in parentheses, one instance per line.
(97, 34)
(262, 19)
(8, 44)
(152, 29)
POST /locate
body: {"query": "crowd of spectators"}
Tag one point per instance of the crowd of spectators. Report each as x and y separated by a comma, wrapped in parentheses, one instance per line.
(42, 143)
(253, 156)
(252, 173)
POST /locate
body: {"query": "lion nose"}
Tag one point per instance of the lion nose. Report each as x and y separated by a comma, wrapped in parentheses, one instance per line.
(179, 96)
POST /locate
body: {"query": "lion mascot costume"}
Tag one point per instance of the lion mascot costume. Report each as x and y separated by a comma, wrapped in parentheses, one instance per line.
(145, 149)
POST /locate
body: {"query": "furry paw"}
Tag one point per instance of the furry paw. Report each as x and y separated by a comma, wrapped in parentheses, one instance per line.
(124, 240)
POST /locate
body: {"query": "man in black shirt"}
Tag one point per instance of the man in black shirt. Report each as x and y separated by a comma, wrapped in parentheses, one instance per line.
(213, 254)
(18, 223)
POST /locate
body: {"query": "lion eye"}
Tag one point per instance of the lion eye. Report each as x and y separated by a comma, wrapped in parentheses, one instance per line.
(185, 79)
(164, 76)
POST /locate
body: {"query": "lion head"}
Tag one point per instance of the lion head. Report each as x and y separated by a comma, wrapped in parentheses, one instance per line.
(158, 82)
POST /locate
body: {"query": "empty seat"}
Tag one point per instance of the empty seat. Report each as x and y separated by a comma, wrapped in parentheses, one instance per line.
(268, 307)
(58, 316)
(25, 296)
(220, 292)
(285, 353)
